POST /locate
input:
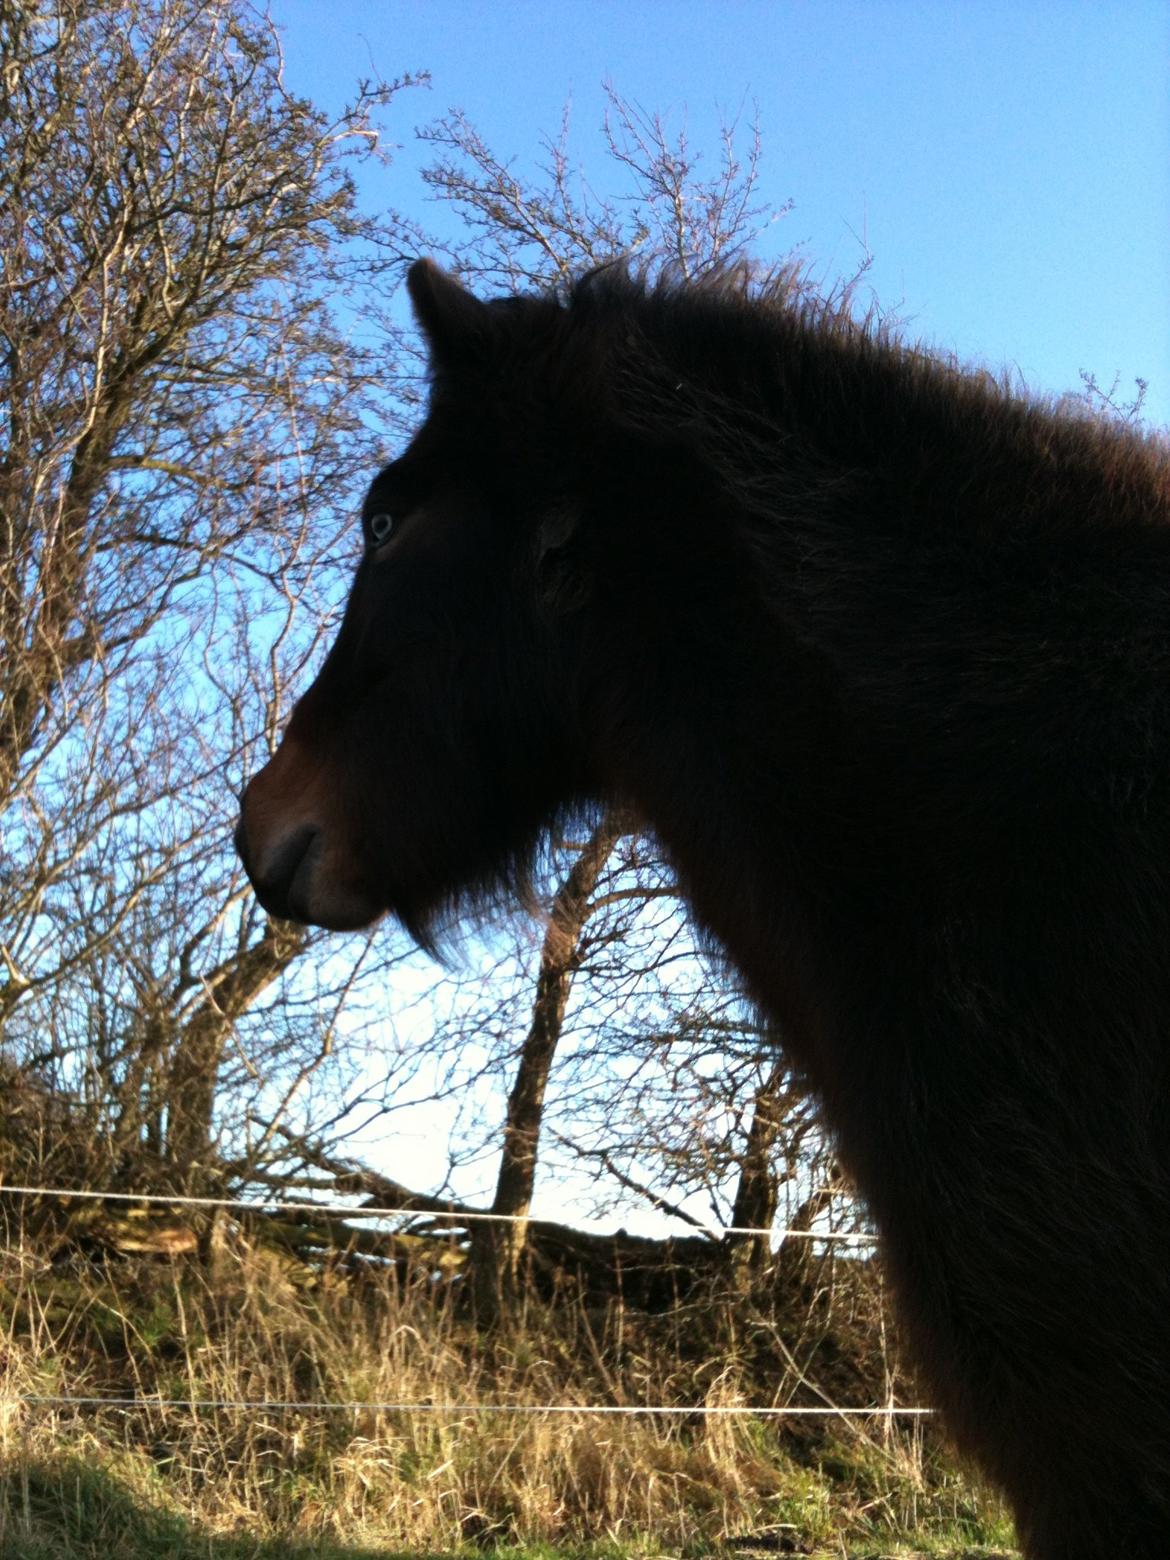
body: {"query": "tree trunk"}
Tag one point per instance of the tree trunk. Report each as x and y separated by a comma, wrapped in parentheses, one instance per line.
(195, 1061)
(758, 1192)
(497, 1250)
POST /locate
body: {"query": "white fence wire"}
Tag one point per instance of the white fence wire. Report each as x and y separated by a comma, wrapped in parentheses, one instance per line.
(364, 1211)
(462, 1410)
(855, 1238)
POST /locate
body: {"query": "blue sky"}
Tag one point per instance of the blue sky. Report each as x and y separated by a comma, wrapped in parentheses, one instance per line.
(1008, 166)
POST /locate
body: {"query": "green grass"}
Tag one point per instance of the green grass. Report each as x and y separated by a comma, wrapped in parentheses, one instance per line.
(122, 1506)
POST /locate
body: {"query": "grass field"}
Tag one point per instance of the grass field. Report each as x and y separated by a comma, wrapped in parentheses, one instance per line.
(157, 1483)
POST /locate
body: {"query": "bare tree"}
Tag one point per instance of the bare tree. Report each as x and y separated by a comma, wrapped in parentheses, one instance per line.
(663, 209)
(677, 1118)
(182, 421)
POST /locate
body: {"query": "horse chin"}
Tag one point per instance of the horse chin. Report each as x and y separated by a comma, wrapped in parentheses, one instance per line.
(333, 909)
(318, 898)
(342, 912)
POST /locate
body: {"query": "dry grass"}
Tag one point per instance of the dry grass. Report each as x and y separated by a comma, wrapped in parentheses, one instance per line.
(222, 1482)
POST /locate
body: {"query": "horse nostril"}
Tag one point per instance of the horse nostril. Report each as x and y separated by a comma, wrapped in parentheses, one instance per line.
(287, 861)
(275, 880)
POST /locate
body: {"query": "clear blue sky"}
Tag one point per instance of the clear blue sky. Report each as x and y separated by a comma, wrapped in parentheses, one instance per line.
(1008, 165)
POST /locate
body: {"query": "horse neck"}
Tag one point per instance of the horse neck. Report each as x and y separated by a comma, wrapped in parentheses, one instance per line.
(848, 649)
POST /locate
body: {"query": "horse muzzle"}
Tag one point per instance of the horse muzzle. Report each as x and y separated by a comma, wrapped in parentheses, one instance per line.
(292, 859)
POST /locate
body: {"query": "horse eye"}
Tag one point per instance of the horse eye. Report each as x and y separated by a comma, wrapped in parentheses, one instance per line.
(381, 527)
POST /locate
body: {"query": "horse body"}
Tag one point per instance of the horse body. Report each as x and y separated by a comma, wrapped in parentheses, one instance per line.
(882, 653)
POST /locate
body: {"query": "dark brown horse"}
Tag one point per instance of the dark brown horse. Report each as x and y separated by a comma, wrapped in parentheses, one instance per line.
(882, 653)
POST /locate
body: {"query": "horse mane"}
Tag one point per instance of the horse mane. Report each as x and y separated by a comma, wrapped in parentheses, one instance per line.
(719, 364)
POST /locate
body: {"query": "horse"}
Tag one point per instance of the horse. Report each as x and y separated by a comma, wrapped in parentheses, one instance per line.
(879, 648)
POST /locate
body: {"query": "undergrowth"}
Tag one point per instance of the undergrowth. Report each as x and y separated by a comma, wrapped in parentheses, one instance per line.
(225, 1482)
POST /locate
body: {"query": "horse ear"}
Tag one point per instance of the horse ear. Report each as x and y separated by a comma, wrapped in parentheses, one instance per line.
(449, 316)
